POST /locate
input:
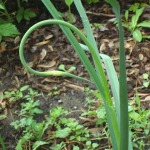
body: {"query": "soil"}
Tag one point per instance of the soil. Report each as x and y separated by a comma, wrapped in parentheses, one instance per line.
(51, 41)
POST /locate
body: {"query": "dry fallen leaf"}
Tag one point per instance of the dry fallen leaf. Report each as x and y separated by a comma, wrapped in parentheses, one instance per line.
(47, 65)
(3, 47)
(42, 55)
(141, 56)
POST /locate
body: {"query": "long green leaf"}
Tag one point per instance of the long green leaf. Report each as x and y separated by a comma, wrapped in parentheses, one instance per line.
(115, 90)
(135, 18)
(124, 123)
(145, 24)
(114, 83)
(95, 55)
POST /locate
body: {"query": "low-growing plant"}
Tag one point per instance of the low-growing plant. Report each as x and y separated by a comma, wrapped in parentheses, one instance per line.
(7, 26)
(139, 123)
(133, 24)
(63, 68)
(27, 124)
(16, 94)
(26, 14)
(56, 124)
(8, 30)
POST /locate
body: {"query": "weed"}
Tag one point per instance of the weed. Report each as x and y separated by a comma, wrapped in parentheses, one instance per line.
(133, 24)
(62, 67)
(26, 14)
(16, 94)
(56, 123)
(7, 27)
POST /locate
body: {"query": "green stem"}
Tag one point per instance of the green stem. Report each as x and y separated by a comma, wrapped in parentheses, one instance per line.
(19, 4)
(2, 143)
(49, 73)
(125, 142)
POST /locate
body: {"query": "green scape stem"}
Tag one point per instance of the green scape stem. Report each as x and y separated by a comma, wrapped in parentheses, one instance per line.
(50, 73)
(125, 141)
(44, 73)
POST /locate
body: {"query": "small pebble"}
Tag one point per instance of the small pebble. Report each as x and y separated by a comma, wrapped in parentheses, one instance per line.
(75, 107)
(60, 101)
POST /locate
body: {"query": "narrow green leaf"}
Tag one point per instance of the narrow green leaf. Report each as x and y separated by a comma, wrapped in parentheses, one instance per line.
(126, 14)
(135, 18)
(1, 6)
(124, 138)
(146, 36)
(145, 24)
(23, 88)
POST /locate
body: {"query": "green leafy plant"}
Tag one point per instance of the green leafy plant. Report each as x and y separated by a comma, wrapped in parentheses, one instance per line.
(16, 94)
(26, 14)
(62, 67)
(139, 123)
(7, 27)
(31, 128)
(133, 24)
(116, 108)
